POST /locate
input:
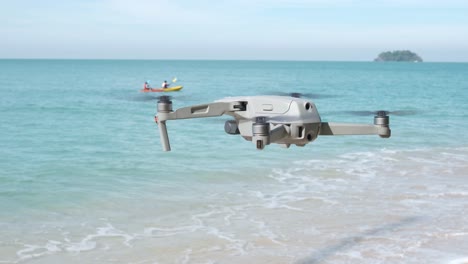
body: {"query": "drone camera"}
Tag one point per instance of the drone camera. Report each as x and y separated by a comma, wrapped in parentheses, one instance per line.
(231, 127)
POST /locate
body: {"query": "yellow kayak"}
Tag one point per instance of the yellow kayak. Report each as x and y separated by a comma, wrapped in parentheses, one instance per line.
(170, 89)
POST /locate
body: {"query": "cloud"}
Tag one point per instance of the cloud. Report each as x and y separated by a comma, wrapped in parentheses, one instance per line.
(361, 3)
(158, 12)
(206, 28)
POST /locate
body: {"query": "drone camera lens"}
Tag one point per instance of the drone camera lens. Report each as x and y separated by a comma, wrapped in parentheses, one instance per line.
(230, 127)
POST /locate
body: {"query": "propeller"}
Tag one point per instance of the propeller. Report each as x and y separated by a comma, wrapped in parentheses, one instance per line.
(143, 98)
(384, 113)
(305, 95)
(258, 119)
(164, 98)
(154, 97)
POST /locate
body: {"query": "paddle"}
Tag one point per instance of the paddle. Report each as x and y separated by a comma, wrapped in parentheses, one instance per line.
(174, 80)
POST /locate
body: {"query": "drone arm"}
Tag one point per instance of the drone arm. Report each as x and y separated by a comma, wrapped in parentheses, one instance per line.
(205, 110)
(331, 129)
(198, 111)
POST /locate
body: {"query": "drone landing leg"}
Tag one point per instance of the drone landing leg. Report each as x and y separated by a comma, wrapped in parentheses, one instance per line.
(164, 137)
(165, 112)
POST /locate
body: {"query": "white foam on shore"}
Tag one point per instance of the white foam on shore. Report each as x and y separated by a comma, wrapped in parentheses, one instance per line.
(459, 261)
(36, 251)
(88, 243)
(363, 207)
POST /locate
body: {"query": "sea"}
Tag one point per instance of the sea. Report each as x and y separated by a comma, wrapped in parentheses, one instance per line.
(84, 179)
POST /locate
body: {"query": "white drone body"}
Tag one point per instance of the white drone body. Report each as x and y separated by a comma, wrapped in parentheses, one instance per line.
(264, 120)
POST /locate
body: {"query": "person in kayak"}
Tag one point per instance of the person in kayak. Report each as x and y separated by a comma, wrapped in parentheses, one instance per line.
(146, 86)
(165, 85)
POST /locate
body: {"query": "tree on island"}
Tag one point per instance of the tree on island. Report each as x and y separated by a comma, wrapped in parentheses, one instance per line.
(398, 55)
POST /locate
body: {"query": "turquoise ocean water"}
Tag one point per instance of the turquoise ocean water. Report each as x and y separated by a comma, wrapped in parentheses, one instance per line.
(83, 178)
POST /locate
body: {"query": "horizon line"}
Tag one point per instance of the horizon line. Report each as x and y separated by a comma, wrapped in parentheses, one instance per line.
(252, 60)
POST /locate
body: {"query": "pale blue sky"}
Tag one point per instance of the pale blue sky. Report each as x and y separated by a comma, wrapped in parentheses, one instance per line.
(343, 30)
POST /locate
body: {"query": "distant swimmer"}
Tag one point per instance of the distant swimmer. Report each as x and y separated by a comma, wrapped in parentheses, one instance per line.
(165, 85)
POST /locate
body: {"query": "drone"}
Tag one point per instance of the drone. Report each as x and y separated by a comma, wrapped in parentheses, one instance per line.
(263, 120)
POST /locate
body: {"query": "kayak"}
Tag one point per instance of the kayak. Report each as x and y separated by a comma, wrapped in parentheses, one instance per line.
(170, 89)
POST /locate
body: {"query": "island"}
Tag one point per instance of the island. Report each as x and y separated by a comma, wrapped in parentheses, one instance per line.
(398, 55)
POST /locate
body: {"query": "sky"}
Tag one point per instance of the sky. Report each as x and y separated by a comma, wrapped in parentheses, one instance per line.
(317, 30)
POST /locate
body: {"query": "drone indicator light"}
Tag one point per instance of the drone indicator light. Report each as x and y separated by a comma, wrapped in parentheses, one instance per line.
(260, 144)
